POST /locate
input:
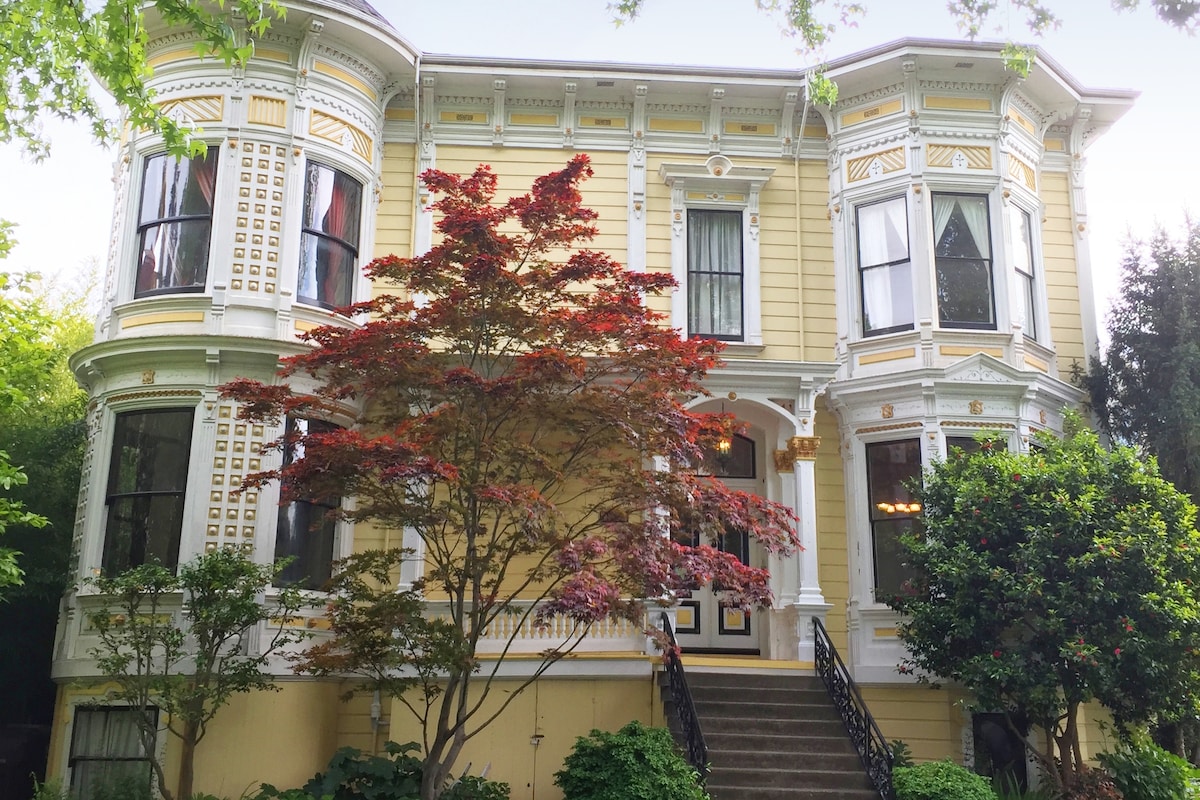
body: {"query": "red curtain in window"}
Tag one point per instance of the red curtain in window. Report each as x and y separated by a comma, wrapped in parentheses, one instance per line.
(341, 222)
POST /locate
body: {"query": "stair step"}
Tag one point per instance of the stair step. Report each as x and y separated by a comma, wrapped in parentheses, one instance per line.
(792, 793)
(773, 727)
(796, 745)
(780, 711)
(794, 760)
(787, 778)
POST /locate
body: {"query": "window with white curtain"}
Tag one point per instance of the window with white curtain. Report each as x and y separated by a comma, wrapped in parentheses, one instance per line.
(108, 756)
(1020, 246)
(715, 275)
(885, 267)
(963, 260)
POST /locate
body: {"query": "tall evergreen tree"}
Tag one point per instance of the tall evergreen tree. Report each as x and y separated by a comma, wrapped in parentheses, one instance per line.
(1146, 390)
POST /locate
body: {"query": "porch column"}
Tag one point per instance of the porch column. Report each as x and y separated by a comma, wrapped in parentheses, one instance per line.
(810, 602)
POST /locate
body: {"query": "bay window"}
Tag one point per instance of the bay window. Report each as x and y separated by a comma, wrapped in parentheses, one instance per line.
(306, 529)
(885, 267)
(963, 261)
(893, 511)
(108, 757)
(715, 275)
(329, 239)
(175, 223)
(1020, 247)
(147, 482)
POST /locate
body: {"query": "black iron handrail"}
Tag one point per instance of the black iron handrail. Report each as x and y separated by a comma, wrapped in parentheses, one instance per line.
(864, 733)
(681, 702)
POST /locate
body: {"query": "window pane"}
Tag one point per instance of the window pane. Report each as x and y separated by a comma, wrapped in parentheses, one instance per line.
(960, 226)
(737, 462)
(1021, 247)
(714, 281)
(965, 292)
(305, 531)
(147, 479)
(178, 188)
(963, 257)
(887, 298)
(174, 255)
(891, 467)
(107, 757)
(329, 245)
(883, 232)
(891, 567)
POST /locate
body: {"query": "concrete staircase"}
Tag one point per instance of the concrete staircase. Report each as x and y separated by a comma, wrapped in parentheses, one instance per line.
(775, 737)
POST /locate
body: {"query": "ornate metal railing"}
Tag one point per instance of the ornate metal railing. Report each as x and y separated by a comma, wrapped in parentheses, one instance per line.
(681, 703)
(864, 733)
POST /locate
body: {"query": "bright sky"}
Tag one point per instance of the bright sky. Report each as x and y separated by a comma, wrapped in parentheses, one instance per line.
(1143, 173)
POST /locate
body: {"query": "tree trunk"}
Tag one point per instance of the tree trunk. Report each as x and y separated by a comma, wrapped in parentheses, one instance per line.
(187, 759)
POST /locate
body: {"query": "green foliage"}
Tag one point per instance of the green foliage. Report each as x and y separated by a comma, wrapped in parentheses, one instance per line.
(1046, 580)
(1144, 771)
(53, 48)
(1155, 321)
(901, 754)
(940, 780)
(51, 789)
(189, 664)
(352, 775)
(635, 763)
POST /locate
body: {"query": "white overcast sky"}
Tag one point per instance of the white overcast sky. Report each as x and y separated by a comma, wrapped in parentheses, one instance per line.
(1144, 172)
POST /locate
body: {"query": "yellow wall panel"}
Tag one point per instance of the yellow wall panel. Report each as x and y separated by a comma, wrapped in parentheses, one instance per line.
(1058, 263)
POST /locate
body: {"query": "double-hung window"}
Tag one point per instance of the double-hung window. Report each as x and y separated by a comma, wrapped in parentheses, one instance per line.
(963, 260)
(147, 482)
(108, 757)
(175, 223)
(329, 241)
(306, 528)
(891, 468)
(885, 267)
(1020, 247)
(715, 276)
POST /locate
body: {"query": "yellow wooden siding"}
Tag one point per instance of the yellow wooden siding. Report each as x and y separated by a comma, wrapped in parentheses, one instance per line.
(930, 721)
(394, 215)
(1061, 279)
(820, 302)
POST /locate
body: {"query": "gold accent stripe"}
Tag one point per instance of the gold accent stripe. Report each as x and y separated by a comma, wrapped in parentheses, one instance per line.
(345, 77)
(302, 326)
(889, 161)
(942, 155)
(888, 355)
(620, 123)
(160, 318)
(267, 111)
(874, 112)
(403, 114)
(335, 130)
(464, 117)
(1021, 172)
(963, 350)
(974, 423)
(958, 103)
(1036, 363)
(535, 120)
(886, 633)
(813, 131)
(170, 55)
(895, 426)
(1056, 145)
(668, 125)
(268, 54)
(749, 128)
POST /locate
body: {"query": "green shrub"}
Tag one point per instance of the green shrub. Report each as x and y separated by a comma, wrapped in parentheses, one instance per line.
(50, 790)
(353, 775)
(901, 754)
(1144, 771)
(635, 763)
(940, 780)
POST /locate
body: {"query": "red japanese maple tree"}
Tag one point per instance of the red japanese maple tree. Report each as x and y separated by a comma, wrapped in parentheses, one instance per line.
(523, 411)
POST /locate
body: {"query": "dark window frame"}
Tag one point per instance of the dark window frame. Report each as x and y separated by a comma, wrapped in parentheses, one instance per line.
(179, 220)
(327, 246)
(316, 513)
(75, 760)
(943, 263)
(888, 265)
(880, 521)
(694, 276)
(125, 505)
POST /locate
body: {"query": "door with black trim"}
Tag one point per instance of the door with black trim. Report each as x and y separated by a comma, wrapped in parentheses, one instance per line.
(703, 623)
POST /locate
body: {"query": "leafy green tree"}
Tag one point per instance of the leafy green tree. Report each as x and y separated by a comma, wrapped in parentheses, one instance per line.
(1048, 580)
(813, 22)
(182, 644)
(1146, 391)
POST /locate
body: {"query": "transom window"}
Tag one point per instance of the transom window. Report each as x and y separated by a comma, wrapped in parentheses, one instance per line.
(147, 481)
(963, 260)
(108, 758)
(1020, 246)
(175, 223)
(715, 275)
(306, 528)
(329, 242)
(893, 511)
(885, 266)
